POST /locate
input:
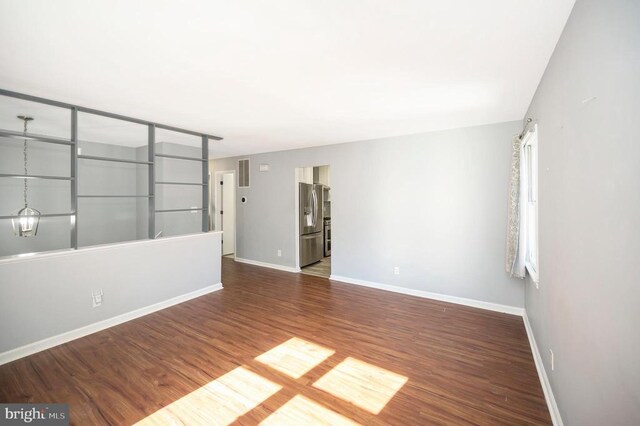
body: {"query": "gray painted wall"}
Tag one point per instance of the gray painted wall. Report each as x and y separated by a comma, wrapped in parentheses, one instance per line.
(49, 294)
(45, 195)
(178, 196)
(107, 220)
(142, 188)
(586, 309)
(433, 204)
(100, 220)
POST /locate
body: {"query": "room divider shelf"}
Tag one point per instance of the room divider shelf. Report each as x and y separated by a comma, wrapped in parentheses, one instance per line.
(179, 183)
(179, 210)
(34, 137)
(18, 176)
(115, 196)
(42, 215)
(78, 114)
(180, 157)
(118, 160)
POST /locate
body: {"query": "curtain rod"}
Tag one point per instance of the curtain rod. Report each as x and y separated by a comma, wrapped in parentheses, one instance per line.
(526, 126)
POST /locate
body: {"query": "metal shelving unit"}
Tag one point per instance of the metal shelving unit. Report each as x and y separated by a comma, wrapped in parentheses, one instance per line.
(204, 183)
(73, 166)
(197, 209)
(33, 137)
(42, 215)
(117, 160)
(179, 183)
(72, 142)
(19, 176)
(180, 157)
(115, 196)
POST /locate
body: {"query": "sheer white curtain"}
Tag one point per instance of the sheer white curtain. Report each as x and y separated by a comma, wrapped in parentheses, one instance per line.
(515, 261)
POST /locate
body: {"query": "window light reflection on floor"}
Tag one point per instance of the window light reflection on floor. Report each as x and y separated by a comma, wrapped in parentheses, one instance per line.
(364, 385)
(303, 411)
(219, 402)
(224, 400)
(295, 357)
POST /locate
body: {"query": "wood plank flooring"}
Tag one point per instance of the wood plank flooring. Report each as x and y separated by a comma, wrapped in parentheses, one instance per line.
(383, 358)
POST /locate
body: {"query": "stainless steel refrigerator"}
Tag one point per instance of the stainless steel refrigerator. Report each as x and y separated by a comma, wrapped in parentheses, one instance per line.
(310, 213)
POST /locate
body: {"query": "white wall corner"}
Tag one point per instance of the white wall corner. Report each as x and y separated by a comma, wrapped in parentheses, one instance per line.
(542, 374)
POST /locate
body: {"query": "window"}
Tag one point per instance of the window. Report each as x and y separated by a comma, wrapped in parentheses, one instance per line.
(530, 200)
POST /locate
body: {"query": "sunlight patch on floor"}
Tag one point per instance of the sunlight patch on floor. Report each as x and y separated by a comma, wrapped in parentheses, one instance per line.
(295, 357)
(364, 385)
(303, 411)
(219, 402)
(224, 400)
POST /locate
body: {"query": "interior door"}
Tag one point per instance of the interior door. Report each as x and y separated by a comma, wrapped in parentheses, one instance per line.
(228, 210)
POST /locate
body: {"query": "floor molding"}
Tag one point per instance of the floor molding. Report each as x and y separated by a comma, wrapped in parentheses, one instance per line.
(542, 373)
(513, 310)
(49, 342)
(267, 265)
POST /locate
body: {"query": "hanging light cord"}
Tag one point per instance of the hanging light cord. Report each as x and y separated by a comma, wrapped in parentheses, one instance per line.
(25, 162)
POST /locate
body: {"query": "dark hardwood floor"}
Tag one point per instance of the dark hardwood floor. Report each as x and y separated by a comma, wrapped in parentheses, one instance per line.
(384, 358)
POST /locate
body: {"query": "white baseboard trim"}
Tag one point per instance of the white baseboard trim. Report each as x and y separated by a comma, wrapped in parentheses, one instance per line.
(49, 342)
(513, 310)
(267, 265)
(542, 374)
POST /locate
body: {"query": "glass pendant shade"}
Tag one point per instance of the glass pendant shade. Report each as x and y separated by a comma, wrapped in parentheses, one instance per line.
(27, 220)
(27, 224)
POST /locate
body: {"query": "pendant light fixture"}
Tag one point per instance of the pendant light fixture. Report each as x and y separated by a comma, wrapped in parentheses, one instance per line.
(26, 225)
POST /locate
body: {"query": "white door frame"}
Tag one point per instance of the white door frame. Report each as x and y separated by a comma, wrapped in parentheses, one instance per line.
(296, 215)
(217, 217)
(296, 209)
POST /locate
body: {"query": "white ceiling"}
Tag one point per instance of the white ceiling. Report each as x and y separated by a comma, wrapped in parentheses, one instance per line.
(286, 73)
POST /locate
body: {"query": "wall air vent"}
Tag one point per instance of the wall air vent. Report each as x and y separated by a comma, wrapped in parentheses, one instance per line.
(243, 173)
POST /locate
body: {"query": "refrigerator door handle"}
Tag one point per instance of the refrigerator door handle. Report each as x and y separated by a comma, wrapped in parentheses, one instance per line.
(308, 211)
(315, 208)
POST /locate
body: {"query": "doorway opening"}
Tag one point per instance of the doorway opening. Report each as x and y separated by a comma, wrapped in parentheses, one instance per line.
(313, 220)
(225, 210)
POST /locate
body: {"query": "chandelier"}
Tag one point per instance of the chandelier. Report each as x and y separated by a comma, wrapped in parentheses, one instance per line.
(26, 224)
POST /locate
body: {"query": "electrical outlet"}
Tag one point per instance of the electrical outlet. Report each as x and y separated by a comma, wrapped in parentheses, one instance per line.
(537, 284)
(553, 364)
(396, 270)
(279, 253)
(79, 151)
(96, 295)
